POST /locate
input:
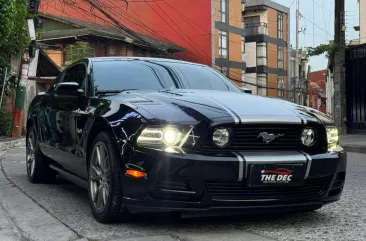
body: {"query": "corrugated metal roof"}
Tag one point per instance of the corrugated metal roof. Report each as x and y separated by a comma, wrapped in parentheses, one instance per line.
(91, 28)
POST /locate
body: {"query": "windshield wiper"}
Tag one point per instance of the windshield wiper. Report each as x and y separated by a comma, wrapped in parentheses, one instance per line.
(106, 92)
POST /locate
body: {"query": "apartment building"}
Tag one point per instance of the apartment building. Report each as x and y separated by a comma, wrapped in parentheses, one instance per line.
(210, 31)
(267, 41)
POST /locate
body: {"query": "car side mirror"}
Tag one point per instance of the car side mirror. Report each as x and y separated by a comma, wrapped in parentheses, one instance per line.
(69, 88)
(245, 90)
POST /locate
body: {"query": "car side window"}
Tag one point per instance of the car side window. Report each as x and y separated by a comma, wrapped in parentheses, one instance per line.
(58, 79)
(76, 74)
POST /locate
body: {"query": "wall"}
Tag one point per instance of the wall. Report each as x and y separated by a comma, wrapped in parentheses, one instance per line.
(113, 48)
(362, 4)
(251, 78)
(251, 54)
(186, 23)
(330, 94)
(272, 22)
(317, 78)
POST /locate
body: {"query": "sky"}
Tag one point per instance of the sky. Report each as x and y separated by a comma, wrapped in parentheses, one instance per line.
(321, 13)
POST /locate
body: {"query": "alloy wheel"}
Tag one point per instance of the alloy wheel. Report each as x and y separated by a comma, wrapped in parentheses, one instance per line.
(31, 154)
(99, 176)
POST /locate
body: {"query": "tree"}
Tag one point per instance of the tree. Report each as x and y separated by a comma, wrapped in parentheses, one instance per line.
(329, 50)
(13, 29)
(77, 51)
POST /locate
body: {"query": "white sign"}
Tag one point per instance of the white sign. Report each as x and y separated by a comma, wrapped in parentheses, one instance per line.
(31, 29)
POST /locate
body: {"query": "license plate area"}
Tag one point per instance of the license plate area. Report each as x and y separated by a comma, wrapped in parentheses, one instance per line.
(276, 175)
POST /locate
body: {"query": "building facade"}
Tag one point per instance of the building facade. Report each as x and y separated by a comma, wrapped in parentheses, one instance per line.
(210, 31)
(267, 41)
(297, 87)
(317, 90)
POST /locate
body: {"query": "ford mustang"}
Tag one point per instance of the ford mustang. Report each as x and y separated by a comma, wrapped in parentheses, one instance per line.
(159, 135)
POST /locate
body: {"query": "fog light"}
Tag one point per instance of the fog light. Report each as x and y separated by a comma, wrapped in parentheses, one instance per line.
(221, 137)
(308, 137)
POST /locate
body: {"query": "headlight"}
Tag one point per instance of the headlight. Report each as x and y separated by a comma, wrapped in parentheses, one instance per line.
(221, 137)
(171, 136)
(333, 138)
(164, 138)
(308, 137)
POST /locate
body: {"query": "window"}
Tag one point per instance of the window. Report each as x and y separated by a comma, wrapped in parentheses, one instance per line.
(243, 49)
(157, 75)
(281, 86)
(76, 73)
(280, 25)
(280, 57)
(262, 84)
(261, 54)
(225, 71)
(223, 44)
(251, 21)
(223, 11)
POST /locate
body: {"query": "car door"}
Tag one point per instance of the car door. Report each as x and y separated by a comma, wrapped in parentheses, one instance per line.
(62, 110)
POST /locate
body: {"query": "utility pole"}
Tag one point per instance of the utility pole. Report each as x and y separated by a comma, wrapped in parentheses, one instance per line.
(23, 76)
(339, 71)
(297, 49)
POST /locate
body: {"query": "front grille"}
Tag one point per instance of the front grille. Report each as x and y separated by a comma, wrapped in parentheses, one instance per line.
(312, 188)
(245, 137)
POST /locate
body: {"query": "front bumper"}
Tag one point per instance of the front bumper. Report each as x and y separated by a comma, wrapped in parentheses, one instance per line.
(190, 182)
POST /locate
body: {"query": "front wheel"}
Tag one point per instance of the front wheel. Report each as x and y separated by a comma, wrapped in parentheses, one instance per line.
(105, 188)
(38, 169)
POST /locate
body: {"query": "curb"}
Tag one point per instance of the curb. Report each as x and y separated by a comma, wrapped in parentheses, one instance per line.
(11, 144)
(355, 148)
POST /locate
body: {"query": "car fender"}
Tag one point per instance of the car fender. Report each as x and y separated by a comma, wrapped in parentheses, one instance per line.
(123, 125)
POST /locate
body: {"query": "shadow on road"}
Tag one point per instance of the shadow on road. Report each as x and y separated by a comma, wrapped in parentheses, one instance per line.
(169, 220)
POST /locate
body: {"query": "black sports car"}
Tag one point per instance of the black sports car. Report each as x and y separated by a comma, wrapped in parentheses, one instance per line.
(144, 134)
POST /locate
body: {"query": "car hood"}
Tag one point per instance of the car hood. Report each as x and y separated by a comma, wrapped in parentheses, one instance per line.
(182, 105)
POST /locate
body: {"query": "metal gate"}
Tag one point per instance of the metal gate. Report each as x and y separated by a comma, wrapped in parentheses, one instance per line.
(356, 88)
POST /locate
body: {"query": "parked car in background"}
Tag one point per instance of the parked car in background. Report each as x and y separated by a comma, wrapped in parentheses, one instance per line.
(159, 135)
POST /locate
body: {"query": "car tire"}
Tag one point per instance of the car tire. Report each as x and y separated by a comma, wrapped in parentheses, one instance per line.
(38, 169)
(104, 182)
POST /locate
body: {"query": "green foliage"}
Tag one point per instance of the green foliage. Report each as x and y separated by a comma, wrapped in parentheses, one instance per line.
(77, 51)
(6, 120)
(329, 50)
(13, 29)
(10, 83)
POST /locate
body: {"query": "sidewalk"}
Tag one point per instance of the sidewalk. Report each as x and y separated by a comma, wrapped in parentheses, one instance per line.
(8, 143)
(21, 218)
(353, 143)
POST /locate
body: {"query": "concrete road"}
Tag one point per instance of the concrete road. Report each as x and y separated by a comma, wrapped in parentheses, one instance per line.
(68, 204)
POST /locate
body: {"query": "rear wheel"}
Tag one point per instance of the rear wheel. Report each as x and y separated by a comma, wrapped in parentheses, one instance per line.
(105, 188)
(38, 169)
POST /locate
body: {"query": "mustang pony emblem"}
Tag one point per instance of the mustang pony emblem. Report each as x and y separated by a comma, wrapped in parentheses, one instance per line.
(268, 138)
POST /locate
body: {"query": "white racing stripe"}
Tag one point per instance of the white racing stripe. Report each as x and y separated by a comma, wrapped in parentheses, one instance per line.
(241, 166)
(232, 113)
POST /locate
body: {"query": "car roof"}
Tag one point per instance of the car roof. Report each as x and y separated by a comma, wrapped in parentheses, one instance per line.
(116, 58)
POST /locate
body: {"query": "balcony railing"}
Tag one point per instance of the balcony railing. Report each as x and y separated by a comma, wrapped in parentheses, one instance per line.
(255, 29)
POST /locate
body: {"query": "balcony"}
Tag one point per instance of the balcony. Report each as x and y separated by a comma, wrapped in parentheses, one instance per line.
(256, 29)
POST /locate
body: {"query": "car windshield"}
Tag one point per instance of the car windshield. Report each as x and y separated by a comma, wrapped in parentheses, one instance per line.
(146, 74)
